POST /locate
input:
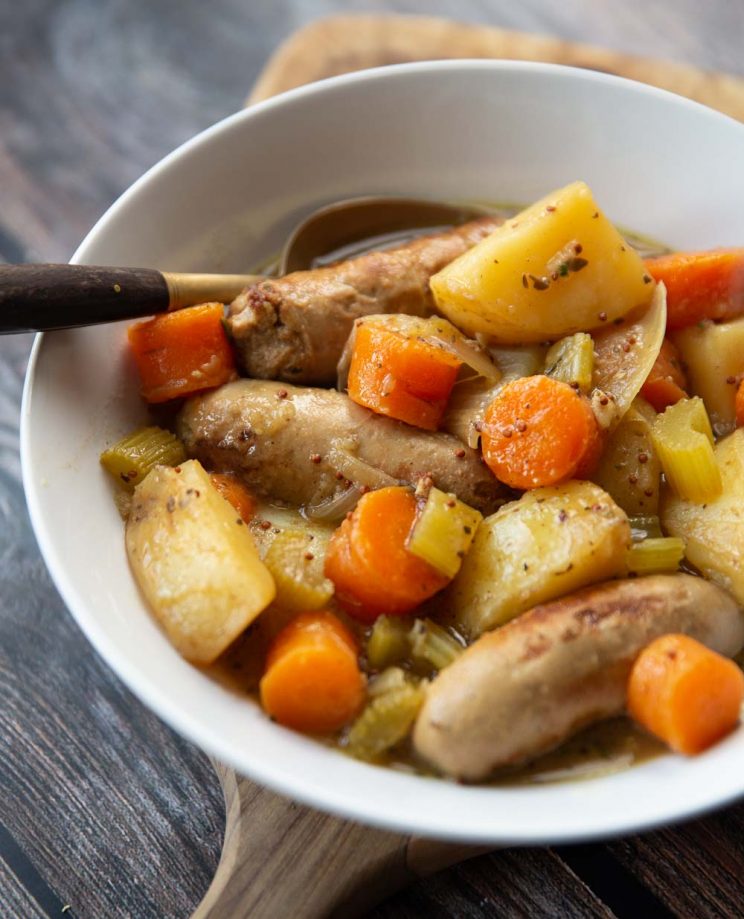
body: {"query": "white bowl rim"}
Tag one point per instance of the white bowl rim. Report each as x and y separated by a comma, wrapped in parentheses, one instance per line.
(289, 782)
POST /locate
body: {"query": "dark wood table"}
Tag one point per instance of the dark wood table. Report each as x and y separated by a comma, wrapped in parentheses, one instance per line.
(104, 812)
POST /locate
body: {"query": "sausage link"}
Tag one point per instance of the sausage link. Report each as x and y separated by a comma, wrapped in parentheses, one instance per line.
(525, 688)
(294, 328)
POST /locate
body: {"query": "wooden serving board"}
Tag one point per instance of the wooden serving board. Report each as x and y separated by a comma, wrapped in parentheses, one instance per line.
(341, 44)
(280, 858)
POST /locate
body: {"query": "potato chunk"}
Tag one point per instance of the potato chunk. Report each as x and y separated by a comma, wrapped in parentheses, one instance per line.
(714, 532)
(556, 268)
(630, 469)
(194, 561)
(714, 360)
(549, 543)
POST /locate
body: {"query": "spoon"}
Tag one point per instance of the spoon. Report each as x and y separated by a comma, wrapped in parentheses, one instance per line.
(43, 297)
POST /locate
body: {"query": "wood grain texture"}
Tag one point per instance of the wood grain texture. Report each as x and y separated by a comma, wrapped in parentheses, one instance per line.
(17, 898)
(119, 816)
(341, 44)
(337, 868)
(696, 868)
(44, 296)
(514, 883)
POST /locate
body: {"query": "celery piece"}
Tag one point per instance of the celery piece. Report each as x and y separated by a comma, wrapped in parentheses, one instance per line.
(388, 642)
(296, 562)
(644, 528)
(129, 460)
(684, 441)
(572, 360)
(655, 555)
(433, 644)
(443, 532)
(385, 721)
(391, 678)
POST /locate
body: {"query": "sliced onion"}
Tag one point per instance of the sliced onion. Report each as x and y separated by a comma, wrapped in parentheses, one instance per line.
(466, 408)
(335, 508)
(624, 354)
(435, 331)
(442, 332)
(356, 470)
(362, 477)
(344, 362)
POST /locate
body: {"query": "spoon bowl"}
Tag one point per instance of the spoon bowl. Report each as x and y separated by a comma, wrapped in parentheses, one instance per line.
(339, 226)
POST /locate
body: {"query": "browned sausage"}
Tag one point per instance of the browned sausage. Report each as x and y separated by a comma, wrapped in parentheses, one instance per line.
(297, 444)
(523, 689)
(294, 328)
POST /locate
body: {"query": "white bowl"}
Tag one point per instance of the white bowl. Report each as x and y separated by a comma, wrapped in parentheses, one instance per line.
(455, 130)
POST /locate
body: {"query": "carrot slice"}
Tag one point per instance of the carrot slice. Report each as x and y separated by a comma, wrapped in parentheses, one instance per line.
(739, 405)
(666, 383)
(684, 693)
(312, 681)
(400, 376)
(234, 491)
(182, 352)
(700, 285)
(539, 431)
(367, 559)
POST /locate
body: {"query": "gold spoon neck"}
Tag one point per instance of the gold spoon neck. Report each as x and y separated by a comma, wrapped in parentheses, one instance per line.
(187, 289)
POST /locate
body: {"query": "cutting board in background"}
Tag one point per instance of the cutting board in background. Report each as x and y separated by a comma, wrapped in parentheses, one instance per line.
(339, 868)
(341, 44)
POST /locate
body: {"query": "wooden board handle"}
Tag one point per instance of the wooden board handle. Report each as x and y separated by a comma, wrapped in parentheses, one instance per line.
(283, 859)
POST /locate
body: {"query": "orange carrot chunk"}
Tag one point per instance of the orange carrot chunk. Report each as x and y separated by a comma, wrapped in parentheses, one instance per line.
(400, 376)
(182, 352)
(539, 431)
(684, 693)
(312, 681)
(369, 564)
(700, 285)
(666, 383)
(739, 405)
(234, 491)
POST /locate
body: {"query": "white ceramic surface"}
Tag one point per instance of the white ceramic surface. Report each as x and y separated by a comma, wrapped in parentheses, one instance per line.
(500, 131)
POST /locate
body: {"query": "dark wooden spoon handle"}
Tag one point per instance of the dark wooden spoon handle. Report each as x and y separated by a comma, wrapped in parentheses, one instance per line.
(43, 297)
